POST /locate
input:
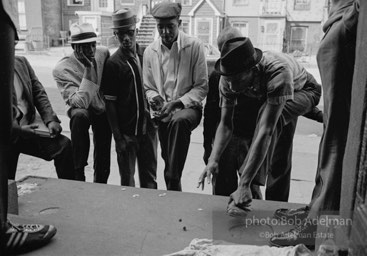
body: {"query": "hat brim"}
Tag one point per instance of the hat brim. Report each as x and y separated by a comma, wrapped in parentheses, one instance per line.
(259, 55)
(87, 40)
(125, 26)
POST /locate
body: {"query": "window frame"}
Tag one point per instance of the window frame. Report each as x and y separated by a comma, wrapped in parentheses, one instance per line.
(304, 39)
(210, 34)
(238, 22)
(104, 2)
(108, 8)
(273, 6)
(187, 4)
(22, 13)
(70, 3)
(237, 3)
(276, 35)
(305, 6)
(123, 3)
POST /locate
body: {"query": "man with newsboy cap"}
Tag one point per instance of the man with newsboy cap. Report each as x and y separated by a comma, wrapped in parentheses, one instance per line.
(176, 82)
(78, 77)
(127, 109)
(287, 90)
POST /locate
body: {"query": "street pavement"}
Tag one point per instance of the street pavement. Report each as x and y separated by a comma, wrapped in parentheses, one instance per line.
(305, 148)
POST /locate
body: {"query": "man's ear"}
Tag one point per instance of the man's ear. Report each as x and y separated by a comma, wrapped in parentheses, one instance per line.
(179, 23)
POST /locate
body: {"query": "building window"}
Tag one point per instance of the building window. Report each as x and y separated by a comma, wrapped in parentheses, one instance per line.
(298, 39)
(240, 2)
(272, 7)
(186, 2)
(22, 15)
(242, 27)
(75, 2)
(185, 26)
(203, 30)
(103, 3)
(127, 2)
(272, 36)
(302, 4)
(95, 21)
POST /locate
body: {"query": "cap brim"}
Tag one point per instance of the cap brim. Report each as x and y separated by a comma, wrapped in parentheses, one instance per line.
(128, 25)
(166, 18)
(88, 40)
(259, 55)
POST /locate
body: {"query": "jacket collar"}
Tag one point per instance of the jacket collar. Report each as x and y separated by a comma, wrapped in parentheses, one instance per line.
(125, 57)
(182, 42)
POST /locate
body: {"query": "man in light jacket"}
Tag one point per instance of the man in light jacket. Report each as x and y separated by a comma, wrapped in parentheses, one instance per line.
(176, 82)
(78, 78)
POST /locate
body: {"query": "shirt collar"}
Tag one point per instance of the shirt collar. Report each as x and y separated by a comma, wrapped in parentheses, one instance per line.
(178, 42)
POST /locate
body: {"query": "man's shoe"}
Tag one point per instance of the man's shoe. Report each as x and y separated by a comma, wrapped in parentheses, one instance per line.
(292, 214)
(22, 238)
(301, 234)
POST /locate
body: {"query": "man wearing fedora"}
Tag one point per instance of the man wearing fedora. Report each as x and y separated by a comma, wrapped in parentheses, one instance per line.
(127, 109)
(244, 122)
(287, 90)
(176, 83)
(78, 77)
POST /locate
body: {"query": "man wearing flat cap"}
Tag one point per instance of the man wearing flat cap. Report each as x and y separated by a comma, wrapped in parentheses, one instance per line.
(176, 82)
(78, 77)
(287, 91)
(127, 109)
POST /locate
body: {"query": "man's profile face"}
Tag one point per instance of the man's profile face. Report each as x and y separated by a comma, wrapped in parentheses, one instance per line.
(241, 81)
(168, 30)
(127, 37)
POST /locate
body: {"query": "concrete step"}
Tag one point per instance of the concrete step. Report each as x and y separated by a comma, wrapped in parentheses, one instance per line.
(108, 220)
(149, 24)
(145, 33)
(150, 39)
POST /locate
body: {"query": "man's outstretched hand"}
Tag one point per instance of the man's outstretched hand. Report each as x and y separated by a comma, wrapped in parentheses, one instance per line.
(210, 171)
